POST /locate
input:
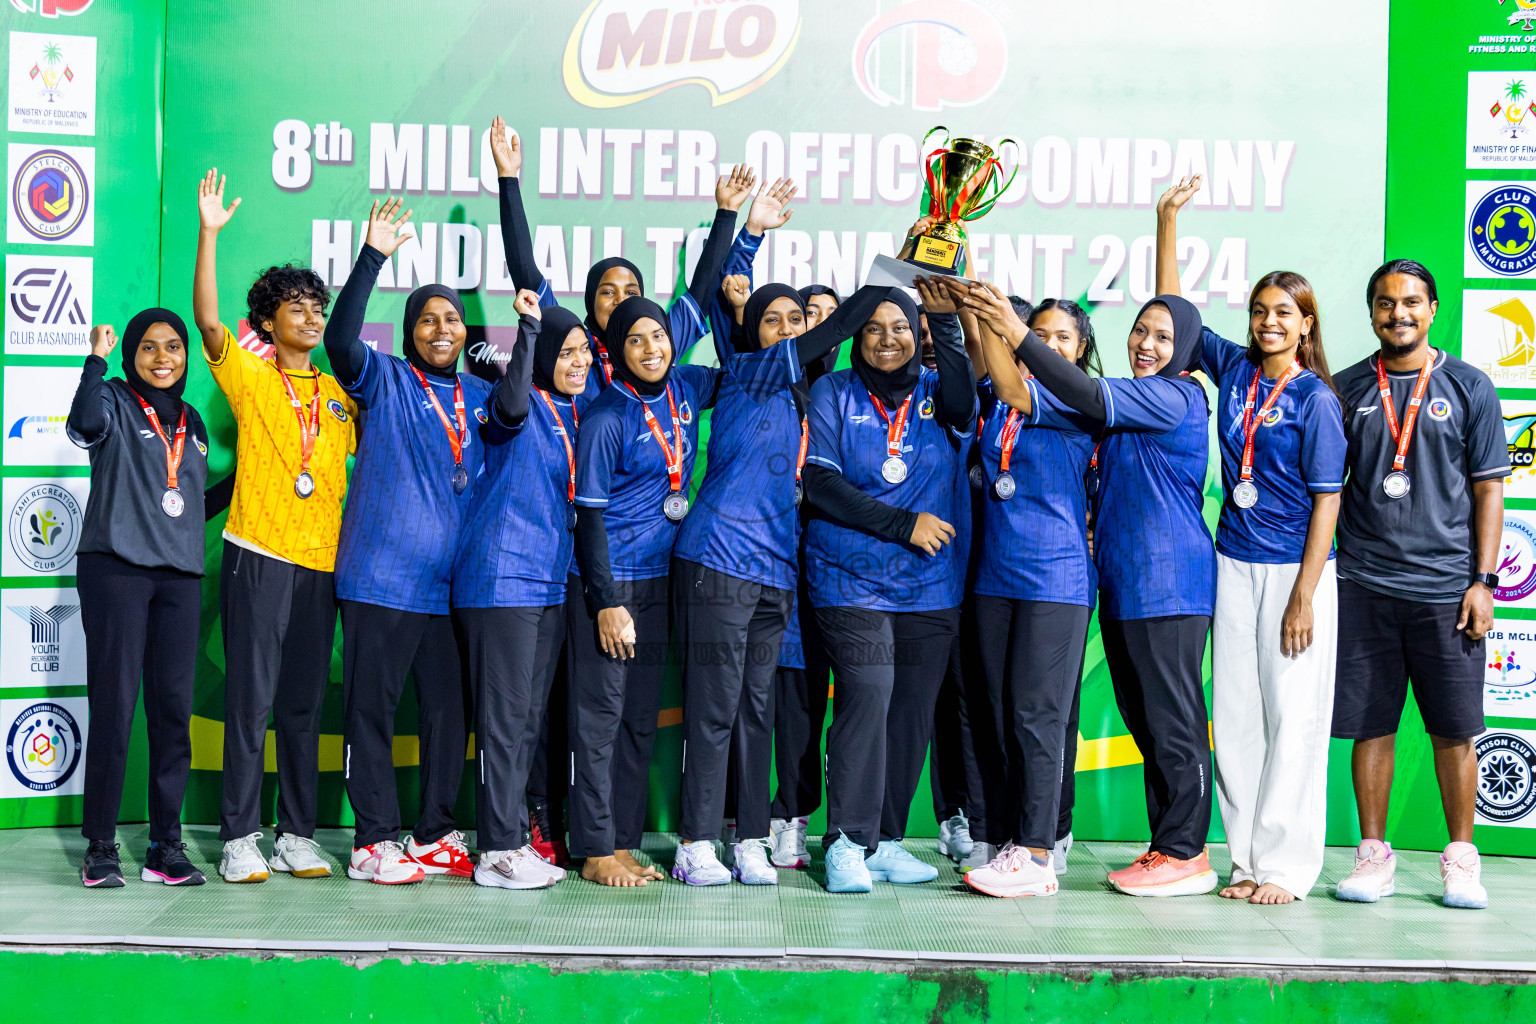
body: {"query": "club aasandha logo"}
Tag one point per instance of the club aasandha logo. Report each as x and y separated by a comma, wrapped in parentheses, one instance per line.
(1506, 778)
(43, 747)
(956, 54)
(44, 527)
(625, 51)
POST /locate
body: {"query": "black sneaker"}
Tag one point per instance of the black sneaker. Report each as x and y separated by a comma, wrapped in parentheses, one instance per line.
(101, 870)
(168, 863)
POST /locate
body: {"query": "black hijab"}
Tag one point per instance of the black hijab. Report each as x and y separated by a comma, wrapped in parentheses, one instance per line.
(1186, 334)
(595, 277)
(892, 386)
(413, 307)
(753, 312)
(827, 363)
(165, 401)
(626, 315)
(556, 325)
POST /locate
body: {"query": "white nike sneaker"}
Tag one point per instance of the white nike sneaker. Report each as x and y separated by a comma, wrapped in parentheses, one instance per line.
(955, 837)
(554, 871)
(788, 837)
(1461, 872)
(300, 857)
(512, 869)
(1059, 854)
(242, 860)
(750, 863)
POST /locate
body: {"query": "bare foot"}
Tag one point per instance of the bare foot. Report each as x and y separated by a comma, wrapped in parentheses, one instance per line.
(609, 871)
(1239, 890)
(637, 869)
(1271, 893)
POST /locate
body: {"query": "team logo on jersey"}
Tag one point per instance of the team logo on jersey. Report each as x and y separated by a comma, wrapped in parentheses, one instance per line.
(685, 413)
(1506, 791)
(1502, 230)
(337, 409)
(925, 408)
(481, 416)
(49, 195)
(200, 446)
(1439, 409)
(44, 527)
(43, 747)
(1273, 417)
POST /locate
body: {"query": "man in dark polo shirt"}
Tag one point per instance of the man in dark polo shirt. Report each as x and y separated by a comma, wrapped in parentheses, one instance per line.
(1419, 533)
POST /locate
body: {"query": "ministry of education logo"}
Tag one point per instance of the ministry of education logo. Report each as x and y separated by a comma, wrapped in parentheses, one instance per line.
(1501, 231)
(50, 195)
(1506, 791)
(43, 747)
(44, 527)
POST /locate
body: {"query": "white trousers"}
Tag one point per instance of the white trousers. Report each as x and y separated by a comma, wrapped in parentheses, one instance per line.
(1270, 721)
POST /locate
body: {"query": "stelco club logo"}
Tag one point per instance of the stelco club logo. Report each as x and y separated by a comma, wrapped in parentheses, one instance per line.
(43, 747)
(958, 55)
(1502, 230)
(624, 51)
(44, 527)
(1506, 791)
(50, 196)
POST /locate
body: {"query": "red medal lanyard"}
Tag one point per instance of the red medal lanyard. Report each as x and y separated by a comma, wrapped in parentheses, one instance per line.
(895, 429)
(602, 359)
(805, 443)
(565, 435)
(457, 438)
(1251, 422)
(309, 430)
(1009, 435)
(674, 456)
(172, 453)
(1411, 415)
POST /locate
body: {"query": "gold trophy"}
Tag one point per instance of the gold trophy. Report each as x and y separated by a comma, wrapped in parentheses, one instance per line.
(965, 179)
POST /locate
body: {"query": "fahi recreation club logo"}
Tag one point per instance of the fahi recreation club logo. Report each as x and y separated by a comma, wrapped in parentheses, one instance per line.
(1517, 561)
(956, 54)
(1501, 230)
(625, 51)
(1506, 778)
(51, 195)
(44, 527)
(43, 747)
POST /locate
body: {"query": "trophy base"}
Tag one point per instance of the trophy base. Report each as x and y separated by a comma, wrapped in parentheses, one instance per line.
(938, 255)
(890, 272)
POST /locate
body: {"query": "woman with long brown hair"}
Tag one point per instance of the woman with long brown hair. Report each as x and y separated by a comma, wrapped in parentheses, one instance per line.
(1275, 631)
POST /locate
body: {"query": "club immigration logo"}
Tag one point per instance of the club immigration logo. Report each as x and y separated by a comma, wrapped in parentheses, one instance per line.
(1498, 335)
(51, 8)
(625, 51)
(43, 747)
(1506, 789)
(46, 626)
(51, 194)
(956, 55)
(1501, 229)
(52, 84)
(44, 527)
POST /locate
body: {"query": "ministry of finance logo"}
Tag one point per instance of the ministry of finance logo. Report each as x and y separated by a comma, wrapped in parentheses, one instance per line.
(1506, 792)
(43, 747)
(50, 198)
(1501, 231)
(44, 527)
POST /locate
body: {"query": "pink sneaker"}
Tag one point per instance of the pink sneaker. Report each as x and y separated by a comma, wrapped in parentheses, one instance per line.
(1375, 866)
(1013, 872)
(1157, 874)
(1461, 870)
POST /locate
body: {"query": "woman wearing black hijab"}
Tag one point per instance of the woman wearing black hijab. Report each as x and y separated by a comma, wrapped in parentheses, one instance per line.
(510, 578)
(885, 442)
(140, 567)
(1156, 565)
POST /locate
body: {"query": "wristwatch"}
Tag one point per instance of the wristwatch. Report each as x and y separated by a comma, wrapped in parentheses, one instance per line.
(1488, 579)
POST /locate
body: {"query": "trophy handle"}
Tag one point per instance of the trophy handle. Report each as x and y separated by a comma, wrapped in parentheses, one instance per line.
(986, 206)
(931, 131)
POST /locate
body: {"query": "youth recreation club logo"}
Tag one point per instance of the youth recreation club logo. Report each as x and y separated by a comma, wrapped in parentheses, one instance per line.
(44, 527)
(1506, 777)
(50, 196)
(957, 54)
(624, 51)
(43, 747)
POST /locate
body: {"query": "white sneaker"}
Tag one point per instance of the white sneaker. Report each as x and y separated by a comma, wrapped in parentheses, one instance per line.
(955, 838)
(980, 856)
(788, 837)
(1375, 868)
(554, 871)
(697, 864)
(1059, 854)
(300, 857)
(384, 862)
(512, 869)
(242, 860)
(751, 865)
(1013, 872)
(1461, 871)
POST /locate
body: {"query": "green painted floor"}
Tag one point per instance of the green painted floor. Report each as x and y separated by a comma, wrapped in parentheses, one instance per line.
(42, 902)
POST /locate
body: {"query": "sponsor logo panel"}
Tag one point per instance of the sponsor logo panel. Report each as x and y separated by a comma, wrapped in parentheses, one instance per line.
(52, 84)
(42, 637)
(52, 194)
(37, 400)
(43, 521)
(1509, 674)
(44, 747)
(1498, 335)
(1506, 778)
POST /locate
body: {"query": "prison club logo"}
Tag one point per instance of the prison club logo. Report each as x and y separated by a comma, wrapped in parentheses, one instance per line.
(43, 747)
(958, 55)
(1505, 789)
(49, 195)
(625, 51)
(44, 527)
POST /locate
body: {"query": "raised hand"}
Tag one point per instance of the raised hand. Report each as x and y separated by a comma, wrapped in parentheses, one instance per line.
(103, 340)
(993, 308)
(770, 207)
(935, 295)
(738, 288)
(921, 226)
(508, 154)
(211, 213)
(1178, 194)
(527, 304)
(385, 224)
(732, 189)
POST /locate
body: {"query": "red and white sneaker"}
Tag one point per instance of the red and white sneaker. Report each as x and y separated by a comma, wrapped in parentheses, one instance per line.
(1157, 874)
(383, 862)
(447, 856)
(545, 837)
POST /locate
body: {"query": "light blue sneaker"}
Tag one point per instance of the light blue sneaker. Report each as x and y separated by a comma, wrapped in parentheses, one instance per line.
(846, 867)
(892, 863)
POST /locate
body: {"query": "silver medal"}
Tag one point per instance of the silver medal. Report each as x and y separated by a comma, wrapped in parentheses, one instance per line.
(799, 493)
(460, 479)
(894, 470)
(1004, 486)
(1245, 494)
(675, 507)
(978, 478)
(304, 486)
(172, 503)
(1396, 484)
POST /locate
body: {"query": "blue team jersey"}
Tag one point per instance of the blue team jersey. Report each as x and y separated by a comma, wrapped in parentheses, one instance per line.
(400, 528)
(721, 317)
(1298, 451)
(684, 318)
(846, 566)
(744, 522)
(1150, 542)
(517, 545)
(622, 470)
(1035, 545)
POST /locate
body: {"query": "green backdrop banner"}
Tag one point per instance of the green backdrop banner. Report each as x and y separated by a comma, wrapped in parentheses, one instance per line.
(627, 110)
